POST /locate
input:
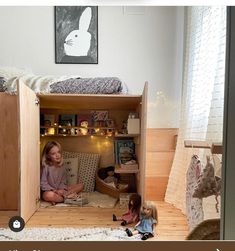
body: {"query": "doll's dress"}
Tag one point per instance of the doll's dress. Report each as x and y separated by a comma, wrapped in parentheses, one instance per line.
(129, 216)
(146, 225)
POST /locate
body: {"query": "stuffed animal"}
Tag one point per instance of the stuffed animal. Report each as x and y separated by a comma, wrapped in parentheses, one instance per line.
(84, 127)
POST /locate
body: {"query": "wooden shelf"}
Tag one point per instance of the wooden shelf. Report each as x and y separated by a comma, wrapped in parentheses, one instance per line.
(118, 169)
(90, 101)
(79, 135)
(126, 135)
(105, 129)
(95, 135)
(77, 127)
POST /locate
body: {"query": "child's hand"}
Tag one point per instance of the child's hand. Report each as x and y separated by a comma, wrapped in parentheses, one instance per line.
(60, 192)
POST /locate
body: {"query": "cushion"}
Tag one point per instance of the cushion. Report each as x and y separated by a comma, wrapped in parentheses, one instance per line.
(12, 72)
(71, 167)
(207, 183)
(71, 155)
(86, 174)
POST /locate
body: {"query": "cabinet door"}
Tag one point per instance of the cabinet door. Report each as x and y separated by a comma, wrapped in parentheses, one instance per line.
(29, 139)
(9, 185)
(141, 188)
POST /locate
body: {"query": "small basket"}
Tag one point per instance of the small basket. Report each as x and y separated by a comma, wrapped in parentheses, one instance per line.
(103, 187)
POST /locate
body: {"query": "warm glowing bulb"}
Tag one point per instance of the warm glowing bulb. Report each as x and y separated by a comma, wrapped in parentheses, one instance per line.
(51, 131)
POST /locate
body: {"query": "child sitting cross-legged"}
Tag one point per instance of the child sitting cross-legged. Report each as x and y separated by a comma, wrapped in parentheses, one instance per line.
(147, 222)
(132, 215)
(53, 179)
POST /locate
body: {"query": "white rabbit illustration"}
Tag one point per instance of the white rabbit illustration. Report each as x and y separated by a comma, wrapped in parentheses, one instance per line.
(77, 43)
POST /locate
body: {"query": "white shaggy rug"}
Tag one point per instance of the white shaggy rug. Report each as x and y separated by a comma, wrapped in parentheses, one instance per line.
(67, 234)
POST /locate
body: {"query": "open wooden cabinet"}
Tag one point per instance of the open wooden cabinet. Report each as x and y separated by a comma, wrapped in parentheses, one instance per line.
(21, 143)
(20, 155)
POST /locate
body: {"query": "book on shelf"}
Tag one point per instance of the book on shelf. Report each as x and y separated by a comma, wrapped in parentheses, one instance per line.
(48, 119)
(129, 167)
(68, 120)
(124, 151)
(99, 115)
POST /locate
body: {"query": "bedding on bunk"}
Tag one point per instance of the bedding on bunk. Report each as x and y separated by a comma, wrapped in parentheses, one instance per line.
(104, 85)
(64, 84)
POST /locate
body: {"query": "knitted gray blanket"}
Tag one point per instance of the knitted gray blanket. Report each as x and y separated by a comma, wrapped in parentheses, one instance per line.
(48, 84)
(105, 85)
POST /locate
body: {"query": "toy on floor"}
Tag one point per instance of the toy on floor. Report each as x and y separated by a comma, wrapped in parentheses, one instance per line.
(147, 222)
(132, 215)
(109, 188)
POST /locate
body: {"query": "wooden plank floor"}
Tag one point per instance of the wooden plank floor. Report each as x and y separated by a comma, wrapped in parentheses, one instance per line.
(172, 223)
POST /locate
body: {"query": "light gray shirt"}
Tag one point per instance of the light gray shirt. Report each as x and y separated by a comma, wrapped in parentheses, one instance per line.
(53, 178)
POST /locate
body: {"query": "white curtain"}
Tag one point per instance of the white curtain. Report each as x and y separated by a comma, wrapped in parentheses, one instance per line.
(202, 97)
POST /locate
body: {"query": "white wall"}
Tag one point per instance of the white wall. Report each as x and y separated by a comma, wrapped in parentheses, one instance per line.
(135, 48)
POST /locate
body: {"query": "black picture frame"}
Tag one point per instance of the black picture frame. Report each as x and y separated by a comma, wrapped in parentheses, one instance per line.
(76, 34)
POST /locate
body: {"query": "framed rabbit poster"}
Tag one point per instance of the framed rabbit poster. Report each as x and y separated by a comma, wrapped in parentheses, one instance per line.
(76, 35)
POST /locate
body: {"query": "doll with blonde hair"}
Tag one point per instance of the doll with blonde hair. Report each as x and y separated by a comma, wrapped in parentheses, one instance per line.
(148, 221)
(53, 179)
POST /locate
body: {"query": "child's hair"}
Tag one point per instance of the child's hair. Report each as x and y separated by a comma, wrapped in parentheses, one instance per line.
(136, 200)
(45, 153)
(151, 205)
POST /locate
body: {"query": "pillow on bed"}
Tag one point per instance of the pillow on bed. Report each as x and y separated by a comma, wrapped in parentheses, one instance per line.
(71, 167)
(86, 174)
(12, 72)
(207, 183)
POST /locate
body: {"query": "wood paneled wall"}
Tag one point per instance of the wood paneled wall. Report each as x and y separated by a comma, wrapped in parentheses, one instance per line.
(160, 154)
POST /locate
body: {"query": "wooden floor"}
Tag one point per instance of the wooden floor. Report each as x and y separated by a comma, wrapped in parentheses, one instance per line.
(172, 223)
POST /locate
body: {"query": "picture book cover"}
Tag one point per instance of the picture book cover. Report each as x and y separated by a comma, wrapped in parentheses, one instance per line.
(68, 119)
(124, 151)
(48, 119)
(99, 115)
